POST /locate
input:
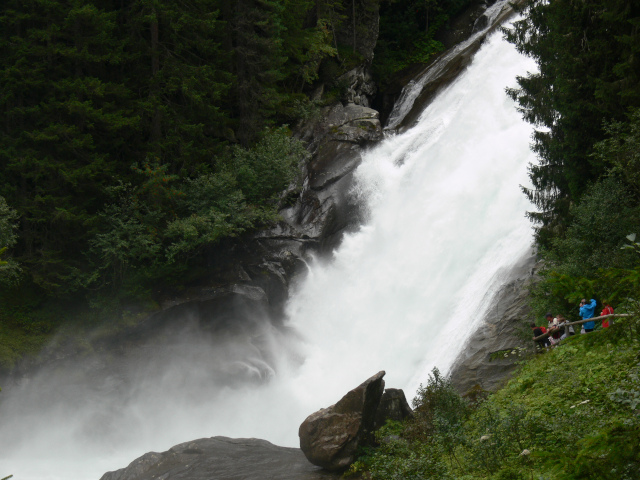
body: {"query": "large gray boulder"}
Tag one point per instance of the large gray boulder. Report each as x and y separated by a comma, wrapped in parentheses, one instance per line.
(393, 406)
(354, 123)
(331, 436)
(222, 458)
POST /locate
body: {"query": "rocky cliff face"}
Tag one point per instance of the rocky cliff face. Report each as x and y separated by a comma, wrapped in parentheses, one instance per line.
(465, 37)
(486, 361)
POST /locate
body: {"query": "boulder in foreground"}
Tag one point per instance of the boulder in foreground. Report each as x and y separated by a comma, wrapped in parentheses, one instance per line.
(393, 406)
(331, 436)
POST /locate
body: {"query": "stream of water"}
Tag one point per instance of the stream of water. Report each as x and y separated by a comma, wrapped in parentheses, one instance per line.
(446, 220)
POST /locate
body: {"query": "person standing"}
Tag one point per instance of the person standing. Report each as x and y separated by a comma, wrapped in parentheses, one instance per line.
(586, 311)
(607, 310)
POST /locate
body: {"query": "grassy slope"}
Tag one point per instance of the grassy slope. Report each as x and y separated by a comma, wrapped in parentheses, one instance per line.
(573, 411)
(573, 422)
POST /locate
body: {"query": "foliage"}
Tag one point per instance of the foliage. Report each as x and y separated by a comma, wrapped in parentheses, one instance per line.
(588, 258)
(621, 149)
(157, 228)
(407, 33)
(90, 88)
(9, 268)
(439, 412)
(22, 330)
(265, 170)
(602, 219)
(587, 53)
(398, 459)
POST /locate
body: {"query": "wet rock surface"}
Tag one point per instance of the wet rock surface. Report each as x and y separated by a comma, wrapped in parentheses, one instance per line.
(393, 406)
(500, 331)
(444, 69)
(331, 436)
(354, 123)
(360, 86)
(222, 458)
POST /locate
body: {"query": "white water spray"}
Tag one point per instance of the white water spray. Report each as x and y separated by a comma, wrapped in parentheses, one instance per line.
(446, 219)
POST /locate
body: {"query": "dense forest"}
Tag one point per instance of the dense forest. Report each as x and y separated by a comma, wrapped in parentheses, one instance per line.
(139, 134)
(135, 132)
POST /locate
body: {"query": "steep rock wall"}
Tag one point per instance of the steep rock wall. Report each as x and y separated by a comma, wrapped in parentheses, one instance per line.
(486, 361)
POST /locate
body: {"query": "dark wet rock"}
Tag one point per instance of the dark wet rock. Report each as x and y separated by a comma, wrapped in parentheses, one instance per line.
(324, 209)
(457, 29)
(443, 69)
(464, 24)
(359, 86)
(354, 124)
(393, 406)
(481, 23)
(331, 436)
(334, 160)
(446, 69)
(222, 458)
(500, 331)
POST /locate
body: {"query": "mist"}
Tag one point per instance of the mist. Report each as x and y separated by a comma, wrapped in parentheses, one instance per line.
(445, 221)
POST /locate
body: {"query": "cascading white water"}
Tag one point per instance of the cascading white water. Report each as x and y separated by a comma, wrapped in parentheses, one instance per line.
(413, 89)
(445, 220)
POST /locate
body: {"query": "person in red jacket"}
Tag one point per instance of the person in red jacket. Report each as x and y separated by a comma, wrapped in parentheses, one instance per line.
(607, 310)
(537, 331)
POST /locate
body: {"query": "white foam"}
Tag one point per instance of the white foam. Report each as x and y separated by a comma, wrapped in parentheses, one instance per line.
(445, 219)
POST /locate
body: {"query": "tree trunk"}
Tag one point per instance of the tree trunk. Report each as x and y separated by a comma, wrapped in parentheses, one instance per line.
(353, 15)
(155, 68)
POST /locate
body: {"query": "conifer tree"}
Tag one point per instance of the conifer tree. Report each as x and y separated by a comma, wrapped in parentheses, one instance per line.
(182, 77)
(64, 123)
(587, 53)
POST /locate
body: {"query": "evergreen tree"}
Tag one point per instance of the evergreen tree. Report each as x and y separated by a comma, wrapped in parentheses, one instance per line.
(112, 107)
(9, 268)
(182, 80)
(64, 123)
(588, 55)
(257, 29)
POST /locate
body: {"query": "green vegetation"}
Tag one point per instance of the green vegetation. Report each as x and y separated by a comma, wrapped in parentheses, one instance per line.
(584, 93)
(112, 110)
(9, 269)
(585, 104)
(569, 414)
(407, 31)
(139, 134)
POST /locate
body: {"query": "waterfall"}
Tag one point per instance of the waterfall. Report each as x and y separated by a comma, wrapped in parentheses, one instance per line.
(445, 221)
(413, 89)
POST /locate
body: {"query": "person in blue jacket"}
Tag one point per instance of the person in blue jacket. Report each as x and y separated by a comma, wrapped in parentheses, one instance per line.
(586, 311)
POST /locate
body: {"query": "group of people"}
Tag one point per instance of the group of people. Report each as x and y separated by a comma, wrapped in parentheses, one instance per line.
(556, 324)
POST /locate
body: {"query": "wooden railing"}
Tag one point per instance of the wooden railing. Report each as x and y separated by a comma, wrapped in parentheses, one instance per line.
(579, 322)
